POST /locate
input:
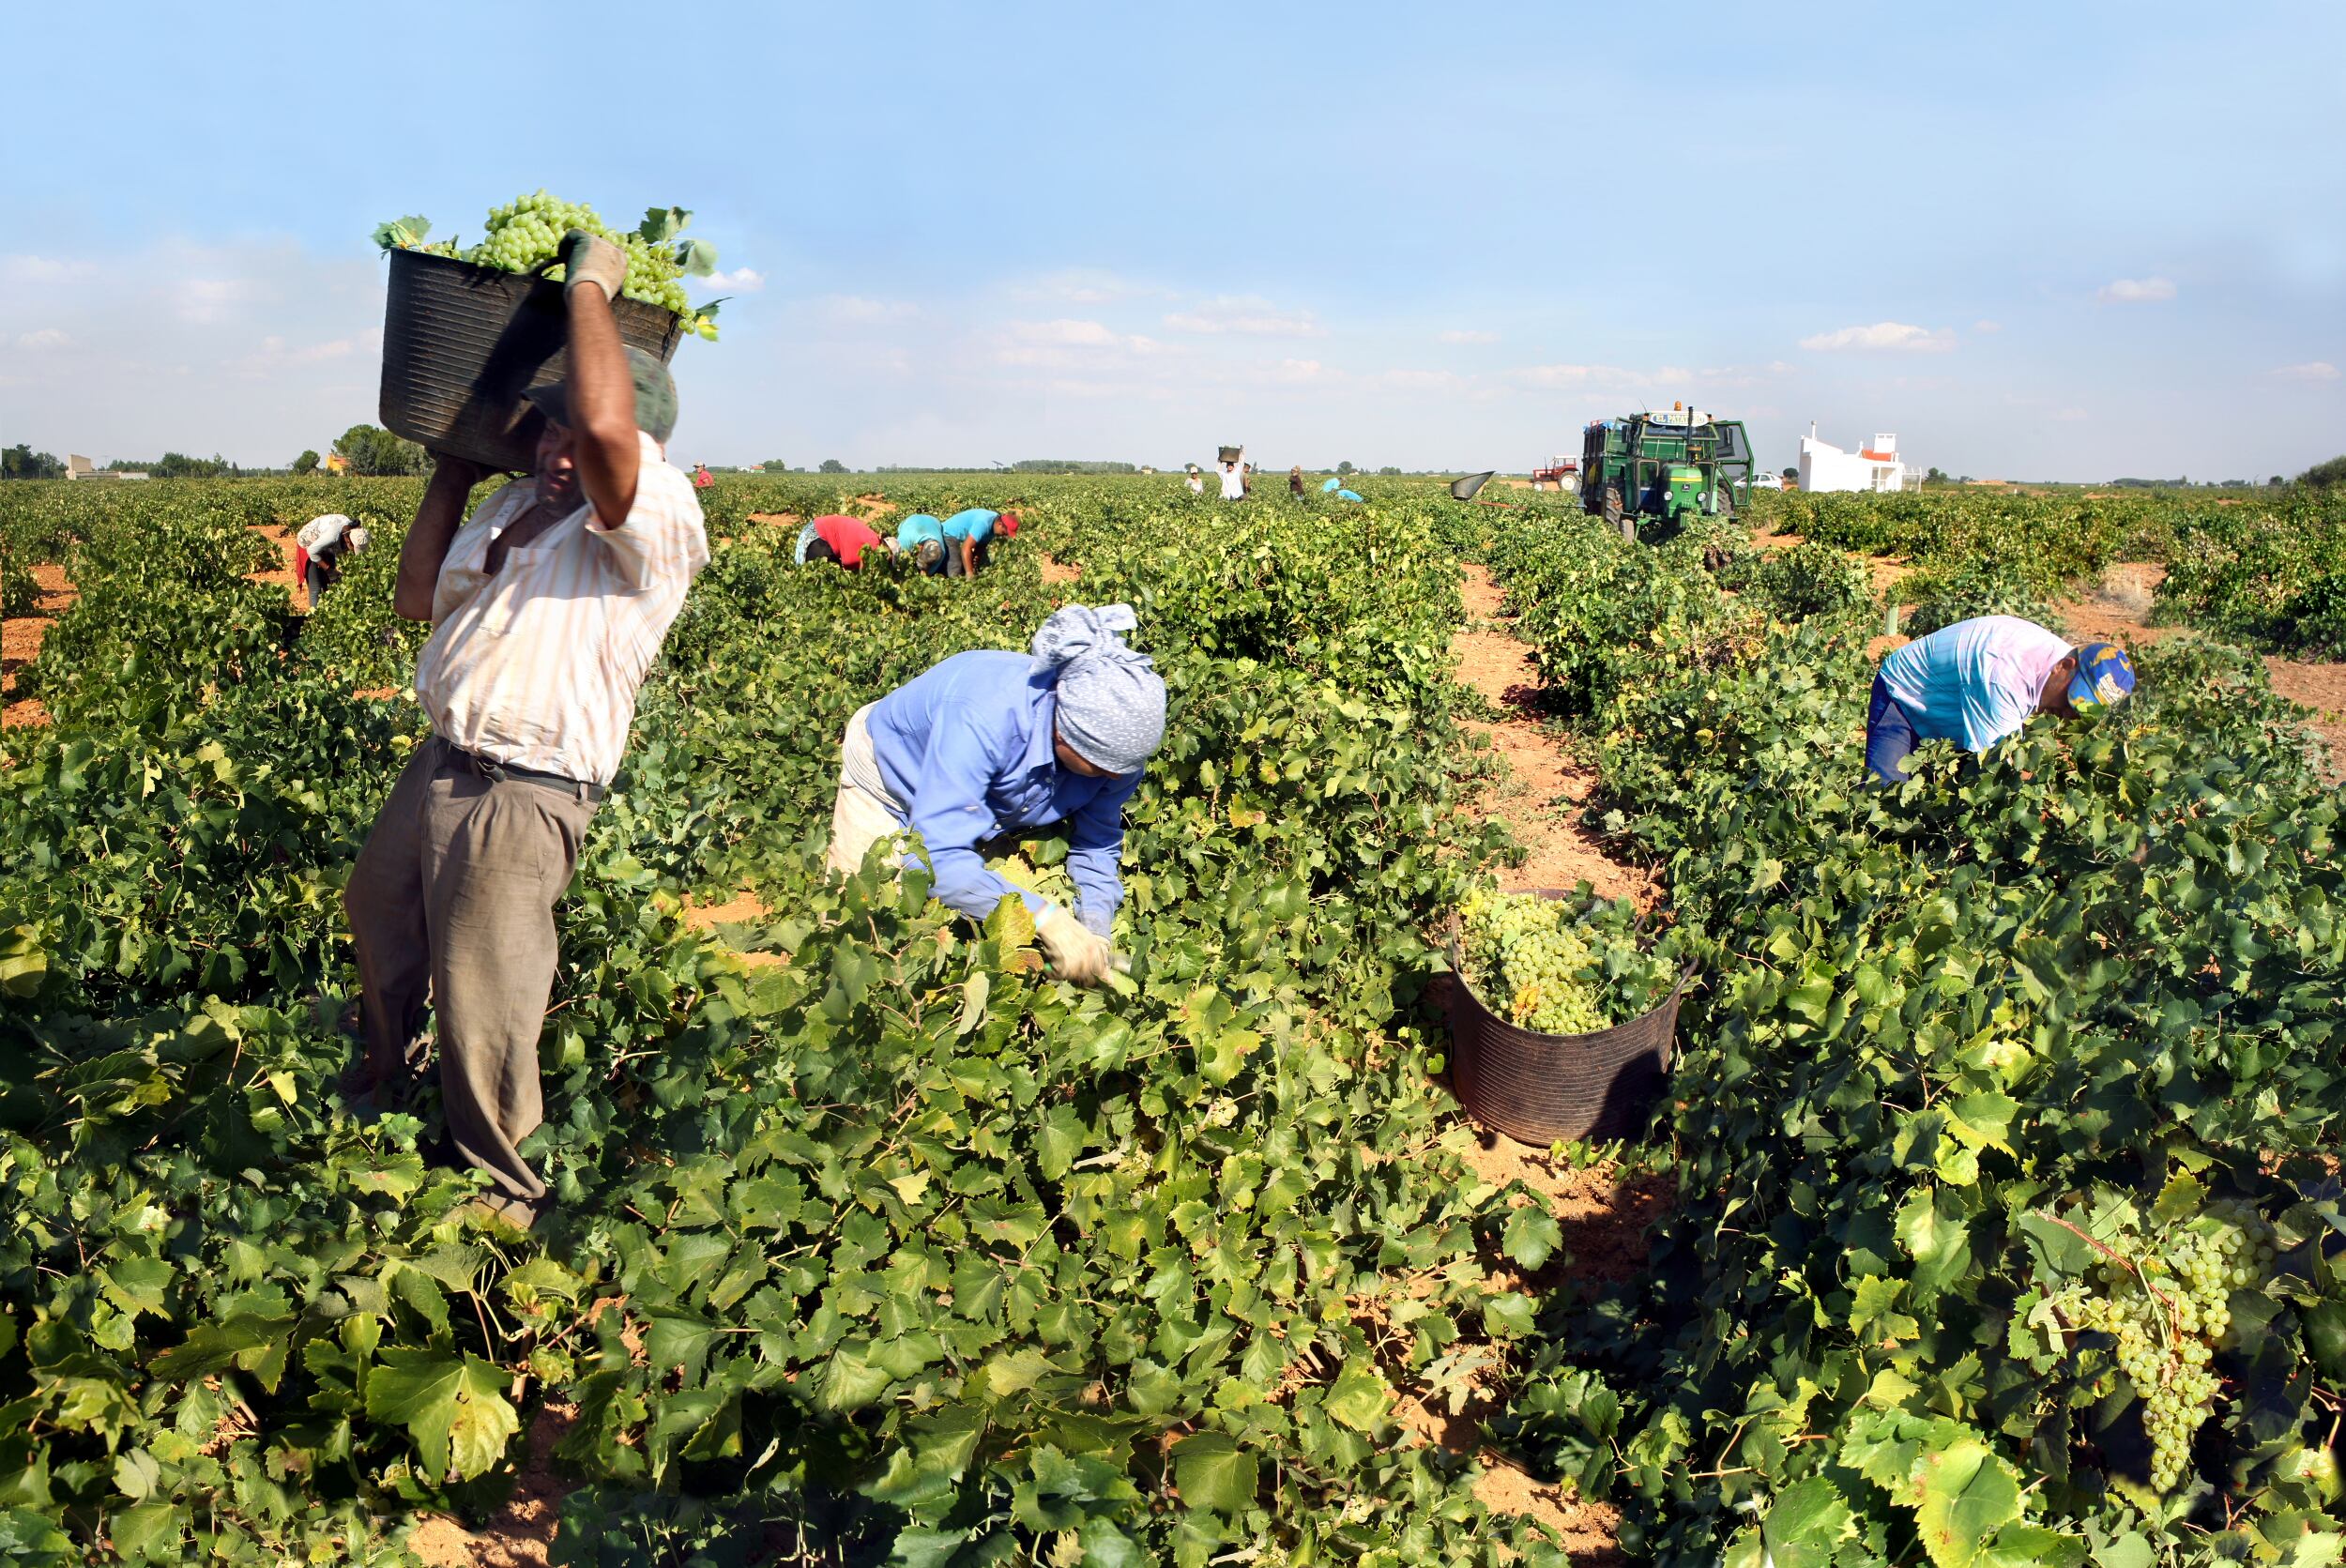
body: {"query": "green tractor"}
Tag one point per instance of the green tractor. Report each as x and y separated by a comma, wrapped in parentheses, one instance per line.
(1669, 465)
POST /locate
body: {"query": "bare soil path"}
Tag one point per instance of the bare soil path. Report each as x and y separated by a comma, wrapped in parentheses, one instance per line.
(1603, 1212)
(19, 644)
(1543, 787)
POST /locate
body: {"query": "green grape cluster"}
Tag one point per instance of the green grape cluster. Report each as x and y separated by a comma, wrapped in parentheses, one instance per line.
(527, 233)
(2166, 1302)
(1526, 949)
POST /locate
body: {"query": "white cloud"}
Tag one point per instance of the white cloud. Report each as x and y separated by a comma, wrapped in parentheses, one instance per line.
(1581, 376)
(1079, 286)
(2136, 291)
(1883, 335)
(1987, 326)
(741, 279)
(2312, 370)
(1245, 316)
(48, 337)
(1467, 335)
(854, 310)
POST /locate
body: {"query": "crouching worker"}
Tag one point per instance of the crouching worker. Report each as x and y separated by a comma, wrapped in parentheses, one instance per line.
(319, 549)
(1977, 681)
(923, 537)
(839, 538)
(988, 743)
(547, 609)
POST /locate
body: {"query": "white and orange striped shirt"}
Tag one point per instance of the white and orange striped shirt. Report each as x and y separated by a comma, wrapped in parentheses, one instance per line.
(538, 666)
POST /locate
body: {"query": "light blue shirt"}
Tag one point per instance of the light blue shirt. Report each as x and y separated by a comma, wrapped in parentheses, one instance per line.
(967, 747)
(920, 527)
(1973, 682)
(973, 525)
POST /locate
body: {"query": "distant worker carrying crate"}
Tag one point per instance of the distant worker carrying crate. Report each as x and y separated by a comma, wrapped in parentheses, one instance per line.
(987, 743)
(1977, 681)
(547, 609)
(1234, 473)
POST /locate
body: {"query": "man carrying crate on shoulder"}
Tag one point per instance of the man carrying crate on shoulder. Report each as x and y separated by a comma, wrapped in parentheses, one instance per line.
(547, 609)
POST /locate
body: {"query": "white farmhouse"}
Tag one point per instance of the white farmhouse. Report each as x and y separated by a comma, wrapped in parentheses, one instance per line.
(1875, 466)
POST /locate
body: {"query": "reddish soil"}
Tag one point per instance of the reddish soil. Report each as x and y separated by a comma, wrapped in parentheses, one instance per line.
(870, 507)
(19, 644)
(282, 575)
(742, 905)
(1544, 788)
(1060, 571)
(520, 1535)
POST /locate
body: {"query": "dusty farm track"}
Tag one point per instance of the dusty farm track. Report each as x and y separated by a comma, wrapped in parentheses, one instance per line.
(1538, 788)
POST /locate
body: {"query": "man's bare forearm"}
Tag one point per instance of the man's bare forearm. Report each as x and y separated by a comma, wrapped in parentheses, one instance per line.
(437, 518)
(603, 405)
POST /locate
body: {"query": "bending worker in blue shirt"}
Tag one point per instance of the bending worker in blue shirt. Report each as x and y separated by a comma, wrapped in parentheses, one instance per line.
(968, 537)
(989, 742)
(1978, 680)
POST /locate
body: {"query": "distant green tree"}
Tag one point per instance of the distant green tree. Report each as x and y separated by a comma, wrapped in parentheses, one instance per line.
(371, 449)
(832, 465)
(1345, 467)
(2276, 481)
(1935, 476)
(2324, 475)
(306, 464)
(1387, 471)
(20, 462)
(775, 466)
(179, 465)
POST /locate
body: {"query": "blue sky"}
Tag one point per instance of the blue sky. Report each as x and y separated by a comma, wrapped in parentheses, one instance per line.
(2042, 242)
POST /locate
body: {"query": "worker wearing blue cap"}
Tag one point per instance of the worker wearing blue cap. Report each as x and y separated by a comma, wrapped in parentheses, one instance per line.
(1979, 680)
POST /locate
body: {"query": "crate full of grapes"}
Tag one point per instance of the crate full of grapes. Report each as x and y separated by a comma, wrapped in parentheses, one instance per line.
(467, 331)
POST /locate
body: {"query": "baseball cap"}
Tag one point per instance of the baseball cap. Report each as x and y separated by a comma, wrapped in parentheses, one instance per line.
(2105, 677)
(1008, 523)
(655, 396)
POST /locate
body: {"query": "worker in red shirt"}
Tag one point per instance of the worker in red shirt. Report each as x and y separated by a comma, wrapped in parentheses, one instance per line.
(835, 537)
(702, 478)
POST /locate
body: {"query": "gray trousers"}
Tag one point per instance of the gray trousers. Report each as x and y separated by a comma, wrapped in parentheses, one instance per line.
(453, 899)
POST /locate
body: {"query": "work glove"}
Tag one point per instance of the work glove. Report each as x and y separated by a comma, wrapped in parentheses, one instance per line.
(591, 259)
(1075, 951)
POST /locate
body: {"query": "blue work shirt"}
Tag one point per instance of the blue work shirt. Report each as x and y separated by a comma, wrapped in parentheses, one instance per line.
(920, 527)
(973, 525)
(1973, 682)
(968, 748)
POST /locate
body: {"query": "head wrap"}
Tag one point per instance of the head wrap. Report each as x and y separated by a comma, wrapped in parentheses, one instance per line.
(356, 539)
(2105, 677)
(1111, 700)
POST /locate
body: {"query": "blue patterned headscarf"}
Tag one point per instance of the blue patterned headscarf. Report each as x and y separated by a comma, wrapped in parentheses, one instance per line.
(1111, 700)
(2105, 677)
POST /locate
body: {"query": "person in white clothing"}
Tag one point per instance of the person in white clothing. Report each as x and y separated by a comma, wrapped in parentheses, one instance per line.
(1234, 478)
(318, 550)
(1195, 480)
(547, 610)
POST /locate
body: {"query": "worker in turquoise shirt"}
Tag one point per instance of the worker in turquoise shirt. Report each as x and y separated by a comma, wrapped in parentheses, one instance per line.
(923, 538)
(1979, 680)
(989, 742)
(968, 537)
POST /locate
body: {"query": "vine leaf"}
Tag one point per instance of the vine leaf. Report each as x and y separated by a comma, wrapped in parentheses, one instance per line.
(454, 1407)
(1968, 1495)
(1212, 1471)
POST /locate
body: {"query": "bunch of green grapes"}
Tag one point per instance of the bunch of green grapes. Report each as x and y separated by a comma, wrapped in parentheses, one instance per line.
(1525, 950)
(2165, 1300)
(527, 233)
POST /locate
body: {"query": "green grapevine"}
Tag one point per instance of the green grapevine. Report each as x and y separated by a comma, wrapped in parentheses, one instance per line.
(525, 233)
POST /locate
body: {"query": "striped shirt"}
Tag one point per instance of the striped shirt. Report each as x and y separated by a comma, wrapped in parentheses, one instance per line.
(538, 666)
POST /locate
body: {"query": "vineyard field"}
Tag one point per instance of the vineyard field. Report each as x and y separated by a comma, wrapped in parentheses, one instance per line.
(875, 1245)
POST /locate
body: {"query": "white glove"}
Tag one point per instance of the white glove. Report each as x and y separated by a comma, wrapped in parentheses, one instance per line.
(1075, 951)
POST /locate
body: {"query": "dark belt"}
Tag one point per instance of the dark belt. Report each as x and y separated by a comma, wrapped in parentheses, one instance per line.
(503, 773)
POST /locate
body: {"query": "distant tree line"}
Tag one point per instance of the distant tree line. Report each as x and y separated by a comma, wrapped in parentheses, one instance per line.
(20, 462)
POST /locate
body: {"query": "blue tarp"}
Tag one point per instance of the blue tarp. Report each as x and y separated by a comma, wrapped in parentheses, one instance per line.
(1332, 484)
(1347, 495)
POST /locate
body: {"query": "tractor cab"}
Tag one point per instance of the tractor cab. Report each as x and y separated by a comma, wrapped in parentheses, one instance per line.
(1668, 466)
